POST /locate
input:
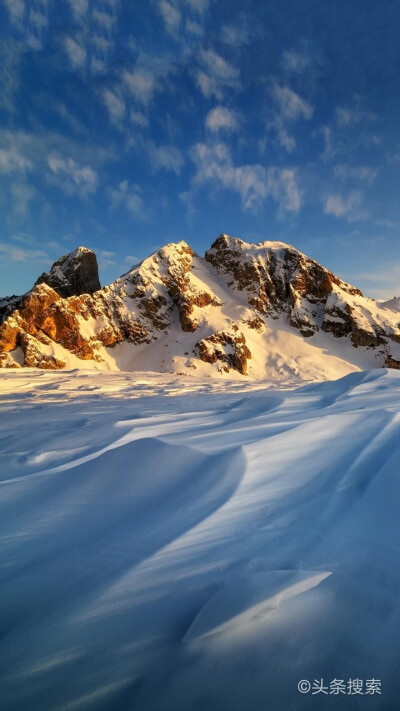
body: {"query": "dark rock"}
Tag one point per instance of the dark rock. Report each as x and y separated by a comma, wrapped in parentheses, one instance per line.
(73, 274)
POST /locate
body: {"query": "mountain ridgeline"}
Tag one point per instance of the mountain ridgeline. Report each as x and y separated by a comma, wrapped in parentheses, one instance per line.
(262, 310)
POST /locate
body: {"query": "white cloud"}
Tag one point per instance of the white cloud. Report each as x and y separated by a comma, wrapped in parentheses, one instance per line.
(131, 259)
(76, 53)
(38, 20)
(138, 118)
(362, 173)
(235, 35)
(347, 207)
(128, 196)
(104, 19)
(78, 7)
(216, 74)
(17, 254)
(21, 151)
(12, 161)
(105, 259)
(194, 28)
(73, 179)
(165, 158)
(217, 66)
(253, 182)
(16, 10)
(115, 106)
(285, 139)
(140, 84)
(199, 6)
(351, 115)
(221, 118)
(383, 283)
(296, 61)
(331, 147)
(291, 106)
(170, 15)
(22, 195)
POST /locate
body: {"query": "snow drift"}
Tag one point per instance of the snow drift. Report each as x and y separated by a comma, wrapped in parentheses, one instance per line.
(172, 545)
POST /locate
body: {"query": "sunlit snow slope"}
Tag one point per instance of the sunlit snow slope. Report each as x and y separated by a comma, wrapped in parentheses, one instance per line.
(170, 546)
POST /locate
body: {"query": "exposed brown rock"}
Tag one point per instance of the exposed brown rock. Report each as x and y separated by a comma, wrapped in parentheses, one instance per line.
(229, 348)
(271, 280)
(392, 363)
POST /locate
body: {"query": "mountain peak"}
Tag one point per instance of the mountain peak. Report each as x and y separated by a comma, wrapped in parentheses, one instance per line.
(265, 310)
(73, 274)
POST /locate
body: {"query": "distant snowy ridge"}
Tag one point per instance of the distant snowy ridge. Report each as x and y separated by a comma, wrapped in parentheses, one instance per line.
(264, 310)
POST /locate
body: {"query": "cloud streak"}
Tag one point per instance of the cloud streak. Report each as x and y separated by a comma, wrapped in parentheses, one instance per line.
(253, 182)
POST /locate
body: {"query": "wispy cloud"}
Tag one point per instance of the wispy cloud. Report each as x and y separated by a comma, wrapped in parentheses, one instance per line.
(115, 106)
(170, 15)
(253, 182)
(383, 283)
(353, 113)
(22, 195)
(215, 74)
(19, 254)
(105, 258)
(13, 161)
(238, 33)
(138, 118)
(297, 61)
(128, 196)
(288, 108)
(105, 20)
(72, 178)
(140, 84)
(361, 173)
(198, 6)
(290, 105)
(222, 118)
(76, 53)
(166, 157)
(16, 11)
(78, 7)
(194, 28)
(348, 207)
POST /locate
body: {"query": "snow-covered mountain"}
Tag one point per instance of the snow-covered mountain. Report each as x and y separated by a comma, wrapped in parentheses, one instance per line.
(264, 310)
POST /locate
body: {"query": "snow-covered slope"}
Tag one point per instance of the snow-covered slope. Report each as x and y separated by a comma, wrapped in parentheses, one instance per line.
(265, 311)
(172, 544)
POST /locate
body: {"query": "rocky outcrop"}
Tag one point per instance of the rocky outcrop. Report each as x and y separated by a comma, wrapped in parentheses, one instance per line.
(8, 304)
(229, 348)
(73, 274)
(44, 319)
(277, 279)
(212, 308)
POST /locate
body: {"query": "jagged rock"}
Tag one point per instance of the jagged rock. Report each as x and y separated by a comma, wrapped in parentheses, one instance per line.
(256, 323)
(73, 274)
(392, 363)
(175, 293)
(9, 304)
(229, 348)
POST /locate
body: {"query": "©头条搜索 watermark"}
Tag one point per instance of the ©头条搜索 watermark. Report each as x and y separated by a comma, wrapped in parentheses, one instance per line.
(340, 686)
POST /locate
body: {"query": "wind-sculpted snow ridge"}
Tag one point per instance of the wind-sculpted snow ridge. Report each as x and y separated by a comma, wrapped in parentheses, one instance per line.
(260, 311)
(170, 546)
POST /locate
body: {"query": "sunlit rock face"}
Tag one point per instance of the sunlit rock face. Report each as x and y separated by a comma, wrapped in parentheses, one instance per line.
(217, 315)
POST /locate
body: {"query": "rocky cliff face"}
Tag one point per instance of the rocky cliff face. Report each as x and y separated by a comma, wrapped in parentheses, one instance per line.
(73, 274)
(243, 309)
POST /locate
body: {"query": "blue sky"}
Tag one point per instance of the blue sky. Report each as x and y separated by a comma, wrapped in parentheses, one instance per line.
(125, 125)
